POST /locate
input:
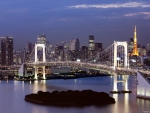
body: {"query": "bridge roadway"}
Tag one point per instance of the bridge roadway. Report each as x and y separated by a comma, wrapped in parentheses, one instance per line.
(110, 69)
(11, 66)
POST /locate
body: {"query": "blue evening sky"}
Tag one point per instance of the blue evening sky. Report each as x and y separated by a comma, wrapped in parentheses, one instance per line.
(61, 20)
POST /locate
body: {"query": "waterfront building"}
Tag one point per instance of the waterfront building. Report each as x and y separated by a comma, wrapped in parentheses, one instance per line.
(6, 50)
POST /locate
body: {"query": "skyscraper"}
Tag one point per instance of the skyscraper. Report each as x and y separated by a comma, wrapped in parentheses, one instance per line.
(135, 49)
(91, 42)
(148, 49)
(74, 44)
(29, 47)
(98, 47)
(130, 46)
(6, 50)
(41, 39)
(84, 53)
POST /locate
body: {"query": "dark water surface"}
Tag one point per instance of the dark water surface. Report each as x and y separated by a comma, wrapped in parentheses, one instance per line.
(12, 96)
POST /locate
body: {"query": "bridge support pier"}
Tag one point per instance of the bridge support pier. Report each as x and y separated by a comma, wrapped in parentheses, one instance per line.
(44, 73)
(36, 71)
(125, 81)
(115, 90)
(126, 90)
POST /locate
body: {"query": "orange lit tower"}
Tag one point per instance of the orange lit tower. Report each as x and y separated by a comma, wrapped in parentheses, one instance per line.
(135, 49)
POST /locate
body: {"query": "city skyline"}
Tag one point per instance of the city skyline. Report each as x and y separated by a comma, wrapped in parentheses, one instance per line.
(106, 20)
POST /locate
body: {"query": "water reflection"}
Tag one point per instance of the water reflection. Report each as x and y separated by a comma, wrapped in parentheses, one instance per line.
(12, 94)
(36, 110)
(115, 96)
(23, 85)
(35, 86)
(126, 102)
(144, 104)
(147, 105)
(39, 85)
(111, 76)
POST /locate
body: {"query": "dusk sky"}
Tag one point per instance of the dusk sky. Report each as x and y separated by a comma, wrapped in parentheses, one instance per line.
(61, 20)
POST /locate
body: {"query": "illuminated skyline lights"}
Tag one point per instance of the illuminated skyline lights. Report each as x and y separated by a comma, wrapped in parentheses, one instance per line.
(135, 49)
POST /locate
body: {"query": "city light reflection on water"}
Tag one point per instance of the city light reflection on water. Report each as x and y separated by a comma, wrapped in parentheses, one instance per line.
(12, 94)
(115, 96)
(126, 102)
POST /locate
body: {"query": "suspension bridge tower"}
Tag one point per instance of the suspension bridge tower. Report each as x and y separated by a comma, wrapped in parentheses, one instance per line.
(126, 65)
(36, 59)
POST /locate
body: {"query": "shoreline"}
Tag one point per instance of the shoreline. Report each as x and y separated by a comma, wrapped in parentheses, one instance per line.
(53, 77)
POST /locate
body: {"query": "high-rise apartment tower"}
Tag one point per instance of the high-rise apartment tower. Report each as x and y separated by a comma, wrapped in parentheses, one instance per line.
(6, 50)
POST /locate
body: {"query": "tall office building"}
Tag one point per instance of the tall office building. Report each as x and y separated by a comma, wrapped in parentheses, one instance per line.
(98, 47)
(143, 51)
(6, 50)
(41, 39)
(29, 47)
(17, 57)
(48, 47)
(84, 53)
(59, 53)
(91, 42)
(66, 45)
(130, 46)
(148, 47)
(74, 44)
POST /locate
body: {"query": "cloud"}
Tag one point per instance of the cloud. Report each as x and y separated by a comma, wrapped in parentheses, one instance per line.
(64, 19)
(71, 19)
(146, 14)
(19, 10)
(116, 5)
